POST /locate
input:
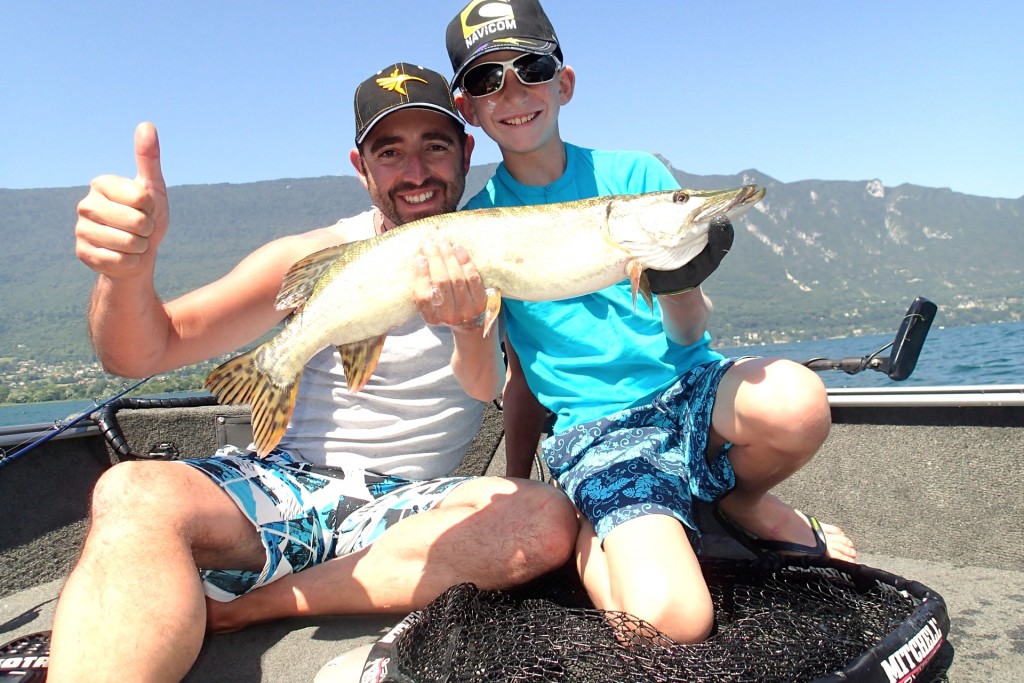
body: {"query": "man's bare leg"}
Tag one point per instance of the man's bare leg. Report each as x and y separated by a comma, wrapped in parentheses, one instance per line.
(133, 607)
(776, 413)
(493, 532)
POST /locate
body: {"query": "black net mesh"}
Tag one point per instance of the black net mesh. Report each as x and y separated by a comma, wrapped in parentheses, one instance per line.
(773, 623)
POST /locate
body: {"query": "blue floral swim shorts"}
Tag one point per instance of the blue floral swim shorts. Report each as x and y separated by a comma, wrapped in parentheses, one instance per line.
(306, 514)
(648, 459)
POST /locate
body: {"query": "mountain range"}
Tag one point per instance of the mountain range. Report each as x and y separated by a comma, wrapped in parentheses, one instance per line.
(814, 259)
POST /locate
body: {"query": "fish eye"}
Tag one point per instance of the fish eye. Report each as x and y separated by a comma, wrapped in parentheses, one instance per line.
(681, 197)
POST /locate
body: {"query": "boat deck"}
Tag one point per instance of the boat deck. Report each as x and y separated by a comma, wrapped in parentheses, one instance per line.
(928, 492)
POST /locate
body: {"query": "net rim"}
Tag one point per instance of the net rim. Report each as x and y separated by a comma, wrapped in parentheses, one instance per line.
(897, 657)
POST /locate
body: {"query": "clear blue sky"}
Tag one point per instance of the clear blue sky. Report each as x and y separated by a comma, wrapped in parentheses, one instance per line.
(930, 93)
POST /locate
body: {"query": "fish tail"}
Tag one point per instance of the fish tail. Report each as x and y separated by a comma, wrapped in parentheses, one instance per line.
(241, 380)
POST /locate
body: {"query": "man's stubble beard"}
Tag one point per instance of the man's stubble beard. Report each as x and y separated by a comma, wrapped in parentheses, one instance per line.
(388, 204)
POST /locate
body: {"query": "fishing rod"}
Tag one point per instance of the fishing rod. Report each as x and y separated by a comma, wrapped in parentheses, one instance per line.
(61, 426)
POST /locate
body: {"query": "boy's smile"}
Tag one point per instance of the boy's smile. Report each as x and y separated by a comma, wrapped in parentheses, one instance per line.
(520, 120)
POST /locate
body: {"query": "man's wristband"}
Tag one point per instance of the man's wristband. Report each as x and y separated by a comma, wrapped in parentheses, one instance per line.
(472, 324)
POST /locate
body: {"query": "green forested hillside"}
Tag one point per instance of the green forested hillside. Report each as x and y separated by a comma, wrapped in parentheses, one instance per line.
(814, 259)
(836, 258)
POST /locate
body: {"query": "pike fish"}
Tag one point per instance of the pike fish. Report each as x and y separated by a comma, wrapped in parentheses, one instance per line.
(351, 295)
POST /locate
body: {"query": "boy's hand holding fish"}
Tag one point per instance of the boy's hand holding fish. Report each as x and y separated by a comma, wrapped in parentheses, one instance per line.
(692, 275)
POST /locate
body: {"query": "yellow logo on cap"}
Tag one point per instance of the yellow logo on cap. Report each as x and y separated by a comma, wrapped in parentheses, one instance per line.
(486, 16)
(396, 82)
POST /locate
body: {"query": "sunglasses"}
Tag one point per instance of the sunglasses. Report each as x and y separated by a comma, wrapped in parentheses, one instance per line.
(488, 77)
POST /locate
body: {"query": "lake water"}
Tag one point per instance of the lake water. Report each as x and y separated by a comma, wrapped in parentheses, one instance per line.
(956, 356)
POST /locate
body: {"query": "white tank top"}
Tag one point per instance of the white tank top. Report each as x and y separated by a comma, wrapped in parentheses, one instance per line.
(412, 419)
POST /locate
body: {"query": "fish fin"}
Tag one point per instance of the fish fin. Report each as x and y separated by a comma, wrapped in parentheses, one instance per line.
(645, 291)
(638, 283)
(360, 360)
(240, 380)
(300, 281)
(492, 310)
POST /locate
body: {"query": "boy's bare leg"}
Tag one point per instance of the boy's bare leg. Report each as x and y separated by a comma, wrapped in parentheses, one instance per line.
(649, 570)
(133, 607)
(493, 532)
(776, 413)
(592, 565)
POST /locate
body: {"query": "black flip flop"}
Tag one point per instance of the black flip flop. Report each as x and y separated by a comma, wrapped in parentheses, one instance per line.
(764, 548)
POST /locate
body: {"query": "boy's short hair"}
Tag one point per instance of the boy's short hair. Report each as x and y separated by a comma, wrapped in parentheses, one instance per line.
(489, 25)
(401, 86)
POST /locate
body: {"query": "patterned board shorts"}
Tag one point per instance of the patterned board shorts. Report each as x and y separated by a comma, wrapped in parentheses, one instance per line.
(306, 514)
(646, 460)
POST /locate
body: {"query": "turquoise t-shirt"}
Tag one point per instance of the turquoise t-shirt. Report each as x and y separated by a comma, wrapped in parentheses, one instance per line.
(590, 356)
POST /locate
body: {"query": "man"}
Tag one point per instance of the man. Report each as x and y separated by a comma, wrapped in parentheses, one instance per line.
(327, 500)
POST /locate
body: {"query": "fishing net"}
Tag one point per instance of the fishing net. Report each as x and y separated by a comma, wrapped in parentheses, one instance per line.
(774, 622)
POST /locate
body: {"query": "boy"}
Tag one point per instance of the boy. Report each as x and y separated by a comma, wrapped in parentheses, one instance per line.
(647, 415)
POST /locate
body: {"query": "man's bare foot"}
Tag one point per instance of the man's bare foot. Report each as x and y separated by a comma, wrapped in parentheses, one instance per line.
(771, 519)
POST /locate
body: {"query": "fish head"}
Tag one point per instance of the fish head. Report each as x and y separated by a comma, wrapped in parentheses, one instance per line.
(665, 230)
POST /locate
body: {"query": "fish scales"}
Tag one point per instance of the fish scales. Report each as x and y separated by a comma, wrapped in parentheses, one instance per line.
(519, 253)
(350, 296)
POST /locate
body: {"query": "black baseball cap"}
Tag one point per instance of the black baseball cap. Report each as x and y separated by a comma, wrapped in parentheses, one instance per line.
(401, 86)
(489, 25)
